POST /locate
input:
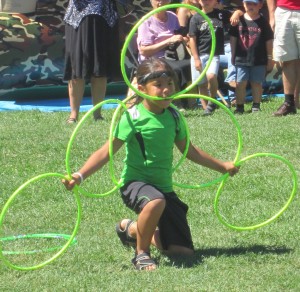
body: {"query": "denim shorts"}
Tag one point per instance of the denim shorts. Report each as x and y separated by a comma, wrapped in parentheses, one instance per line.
(251, 73)
(212, 69)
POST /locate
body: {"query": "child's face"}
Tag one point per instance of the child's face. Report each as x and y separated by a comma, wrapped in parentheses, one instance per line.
(208, 4)
(161, 87)
(252, 8)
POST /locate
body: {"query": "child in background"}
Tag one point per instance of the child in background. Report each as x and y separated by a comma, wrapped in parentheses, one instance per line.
(251, 47)
(201, 43)
(149, 130)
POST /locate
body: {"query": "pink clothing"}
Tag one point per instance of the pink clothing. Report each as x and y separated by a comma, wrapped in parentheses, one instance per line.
(289, 4)
(153, 31)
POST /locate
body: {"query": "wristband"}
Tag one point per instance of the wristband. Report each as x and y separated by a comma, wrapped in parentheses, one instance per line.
(80, 176)
(270, 57)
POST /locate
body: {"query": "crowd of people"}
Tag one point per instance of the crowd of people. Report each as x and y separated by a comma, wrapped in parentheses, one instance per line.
(150, 128)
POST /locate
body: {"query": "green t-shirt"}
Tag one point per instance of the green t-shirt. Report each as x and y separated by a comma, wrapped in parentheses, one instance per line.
(149, 142)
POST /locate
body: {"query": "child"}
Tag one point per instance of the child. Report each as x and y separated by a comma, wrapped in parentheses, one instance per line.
(251, 46)
(200, 44)
(149, 131)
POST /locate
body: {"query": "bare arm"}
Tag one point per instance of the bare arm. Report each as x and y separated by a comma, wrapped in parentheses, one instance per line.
(235, 17)
(233, 42)
(96, 161)
(150, 50)
(202, 158)
(194, 52)
(272, 4)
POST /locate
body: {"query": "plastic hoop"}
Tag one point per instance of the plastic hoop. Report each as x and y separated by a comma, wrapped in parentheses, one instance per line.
(39, 235)
(70, 143)
(68, 243)
(294, 190)
(135, 28)
(239, 139)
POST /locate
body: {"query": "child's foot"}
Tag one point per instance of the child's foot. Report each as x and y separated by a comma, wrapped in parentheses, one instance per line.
(143, 262)
(122, 229)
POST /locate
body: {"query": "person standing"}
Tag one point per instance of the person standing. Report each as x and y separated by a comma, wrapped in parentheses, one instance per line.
(91, 51)
(285, 20)
(251, 46)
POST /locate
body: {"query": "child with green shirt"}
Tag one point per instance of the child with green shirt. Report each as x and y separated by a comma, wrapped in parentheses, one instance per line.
(149, 130)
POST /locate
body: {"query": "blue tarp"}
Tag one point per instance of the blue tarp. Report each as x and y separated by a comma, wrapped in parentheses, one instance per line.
(54, 105)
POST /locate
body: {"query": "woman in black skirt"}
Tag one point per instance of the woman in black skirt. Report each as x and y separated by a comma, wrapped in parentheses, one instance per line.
(92, 50)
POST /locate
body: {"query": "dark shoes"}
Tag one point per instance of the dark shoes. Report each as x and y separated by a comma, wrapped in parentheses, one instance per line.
(285, 109)
(209, 109)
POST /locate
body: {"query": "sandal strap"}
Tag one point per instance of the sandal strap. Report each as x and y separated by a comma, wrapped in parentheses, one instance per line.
(124, 236)
(142, 261)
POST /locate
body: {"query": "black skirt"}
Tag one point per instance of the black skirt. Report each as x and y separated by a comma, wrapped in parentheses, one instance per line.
(92, 50)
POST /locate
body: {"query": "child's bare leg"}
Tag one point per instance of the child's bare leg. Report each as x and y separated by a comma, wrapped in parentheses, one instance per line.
(212, 85)
(203, 90)
(240, 93)
(256, 89)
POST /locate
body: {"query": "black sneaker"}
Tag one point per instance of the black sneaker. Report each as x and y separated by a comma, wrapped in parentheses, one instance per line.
(285, 109)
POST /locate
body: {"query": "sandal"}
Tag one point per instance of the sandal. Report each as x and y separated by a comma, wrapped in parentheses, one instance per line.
(71, 121)
(124, 236)
(143, 261)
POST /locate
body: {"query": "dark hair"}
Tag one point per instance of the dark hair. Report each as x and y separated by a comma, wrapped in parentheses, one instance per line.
(150, 69)
(153, 68)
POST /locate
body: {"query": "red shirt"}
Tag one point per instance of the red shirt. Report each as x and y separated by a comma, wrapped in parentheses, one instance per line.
(289, 4)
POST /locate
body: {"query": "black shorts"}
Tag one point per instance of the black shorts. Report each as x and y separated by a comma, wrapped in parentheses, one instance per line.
(173, 225)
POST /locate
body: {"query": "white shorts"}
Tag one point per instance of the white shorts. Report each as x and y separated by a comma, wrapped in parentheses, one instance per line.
(212, 69)
(287, 35)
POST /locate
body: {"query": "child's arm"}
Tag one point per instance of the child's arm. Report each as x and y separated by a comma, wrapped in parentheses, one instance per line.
(97, 160)
(194, 52)
(272, 7)
(150, 50)
(235, 17)
(202, 158)
(233, 43)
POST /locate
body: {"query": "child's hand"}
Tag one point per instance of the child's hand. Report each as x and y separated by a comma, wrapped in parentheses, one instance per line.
(231, 168)
(70, 184)
(198, 65)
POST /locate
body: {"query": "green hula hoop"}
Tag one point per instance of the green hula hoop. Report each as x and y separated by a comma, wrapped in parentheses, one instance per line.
(274, 217)
(71, 141)
(239, 141)
(39, 235)
(135, 28)
(70, 239)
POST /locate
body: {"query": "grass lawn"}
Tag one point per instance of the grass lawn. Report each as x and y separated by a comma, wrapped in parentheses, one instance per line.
(266, 259)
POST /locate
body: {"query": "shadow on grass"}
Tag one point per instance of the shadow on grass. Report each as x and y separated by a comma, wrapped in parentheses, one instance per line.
(201, 254)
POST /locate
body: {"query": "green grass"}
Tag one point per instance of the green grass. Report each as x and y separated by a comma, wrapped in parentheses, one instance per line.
(267, 259)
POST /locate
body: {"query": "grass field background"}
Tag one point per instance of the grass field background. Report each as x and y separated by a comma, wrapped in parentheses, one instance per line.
(266, 259)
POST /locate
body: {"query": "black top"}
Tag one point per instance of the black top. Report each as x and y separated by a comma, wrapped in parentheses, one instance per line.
(252, 36)
(200, 29)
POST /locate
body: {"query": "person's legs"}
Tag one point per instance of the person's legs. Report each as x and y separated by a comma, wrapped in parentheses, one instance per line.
(256, 88)
(76, 90)
(212, 85)
(98, 91)
(290, 73)
(240, 93)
